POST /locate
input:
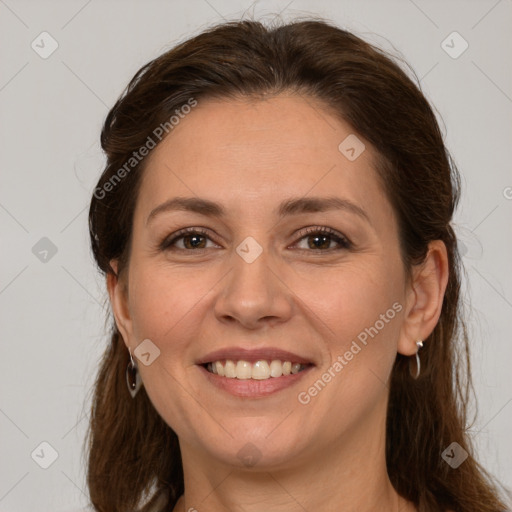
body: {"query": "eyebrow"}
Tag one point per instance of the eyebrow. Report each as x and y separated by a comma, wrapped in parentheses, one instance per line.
(293, 206)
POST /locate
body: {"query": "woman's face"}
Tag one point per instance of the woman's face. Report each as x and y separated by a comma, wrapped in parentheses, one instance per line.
(259, 283)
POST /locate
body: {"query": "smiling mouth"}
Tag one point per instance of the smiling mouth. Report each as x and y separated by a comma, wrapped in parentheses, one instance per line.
(258, 370)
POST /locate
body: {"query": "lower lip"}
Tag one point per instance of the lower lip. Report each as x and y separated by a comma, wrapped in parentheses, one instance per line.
(252, 388)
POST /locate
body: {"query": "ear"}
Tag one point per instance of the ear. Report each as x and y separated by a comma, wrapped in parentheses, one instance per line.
(118, 292)
(424, 300)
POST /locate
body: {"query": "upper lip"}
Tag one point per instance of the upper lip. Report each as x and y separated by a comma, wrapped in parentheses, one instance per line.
(253, 355)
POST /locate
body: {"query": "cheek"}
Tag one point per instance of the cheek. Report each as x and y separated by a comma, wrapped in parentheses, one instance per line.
(161, 300)
(363, 313)
(362, 308)
(350, 299)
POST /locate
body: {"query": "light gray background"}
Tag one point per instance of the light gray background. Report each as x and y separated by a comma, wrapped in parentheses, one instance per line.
(52, 314)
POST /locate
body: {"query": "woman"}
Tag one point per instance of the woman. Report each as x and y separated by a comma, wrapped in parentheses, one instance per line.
(274, 227)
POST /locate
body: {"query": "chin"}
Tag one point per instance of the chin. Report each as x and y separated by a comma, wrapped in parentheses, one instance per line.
(257, 443)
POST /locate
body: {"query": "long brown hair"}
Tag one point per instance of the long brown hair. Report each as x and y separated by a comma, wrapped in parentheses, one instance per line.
(133, 455)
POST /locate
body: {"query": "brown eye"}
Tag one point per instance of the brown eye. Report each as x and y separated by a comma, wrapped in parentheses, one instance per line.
(193, 239)
(320, 239)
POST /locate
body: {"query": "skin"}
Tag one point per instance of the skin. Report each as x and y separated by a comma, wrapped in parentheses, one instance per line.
(249, 155)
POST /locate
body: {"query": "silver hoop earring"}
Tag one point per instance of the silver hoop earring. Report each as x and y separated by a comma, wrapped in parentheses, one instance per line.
(133, 380)
(419, 344)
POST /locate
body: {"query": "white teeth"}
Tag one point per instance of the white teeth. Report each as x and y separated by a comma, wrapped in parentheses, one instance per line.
(219, 368)
(230, 369)
(259, 370)
(243, 370)
(276, 369)
(295, 368)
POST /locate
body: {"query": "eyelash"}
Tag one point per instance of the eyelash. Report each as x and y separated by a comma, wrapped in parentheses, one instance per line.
(344, 242)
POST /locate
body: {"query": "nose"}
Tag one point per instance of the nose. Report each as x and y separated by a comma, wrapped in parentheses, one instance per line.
(255, 294)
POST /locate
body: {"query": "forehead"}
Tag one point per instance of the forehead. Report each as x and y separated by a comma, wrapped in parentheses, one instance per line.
(255, 153)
